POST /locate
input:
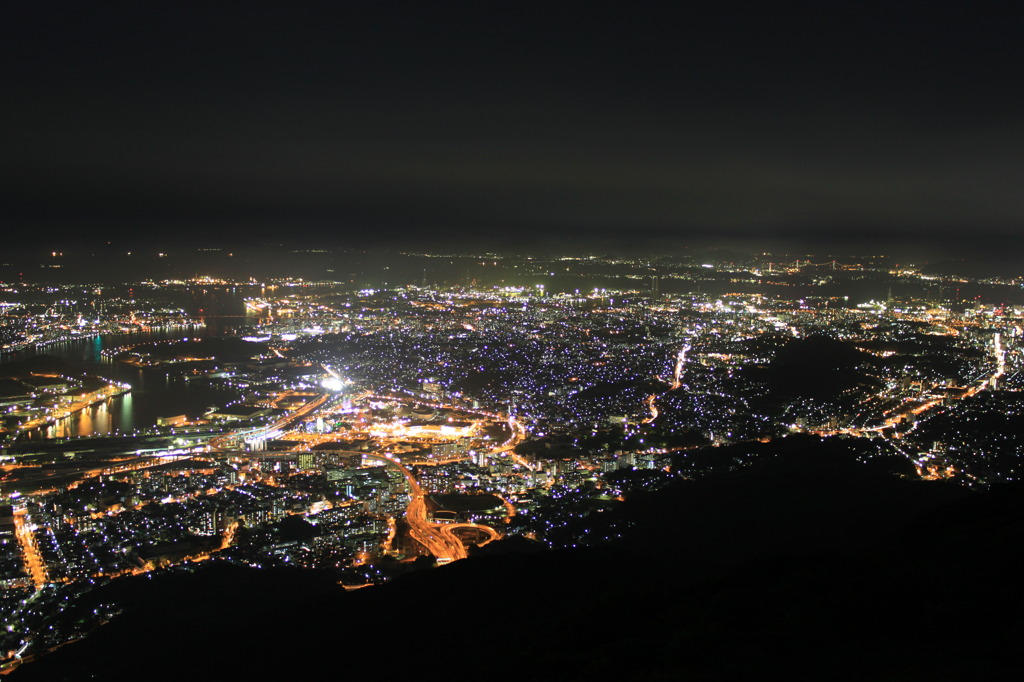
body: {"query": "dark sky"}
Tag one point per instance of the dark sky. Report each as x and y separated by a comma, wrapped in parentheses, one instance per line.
(516, 126)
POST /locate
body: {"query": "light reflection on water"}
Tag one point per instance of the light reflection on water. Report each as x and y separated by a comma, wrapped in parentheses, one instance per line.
(154, 392)
(114, 415)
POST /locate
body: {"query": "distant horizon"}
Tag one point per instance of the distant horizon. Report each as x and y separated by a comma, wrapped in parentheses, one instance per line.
(125, 262)
(979, 246)
(795, 126)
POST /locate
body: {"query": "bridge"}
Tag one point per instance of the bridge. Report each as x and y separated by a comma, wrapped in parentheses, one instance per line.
(469, 533)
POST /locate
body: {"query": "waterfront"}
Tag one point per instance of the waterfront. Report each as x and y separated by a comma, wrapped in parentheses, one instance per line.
(155, 392)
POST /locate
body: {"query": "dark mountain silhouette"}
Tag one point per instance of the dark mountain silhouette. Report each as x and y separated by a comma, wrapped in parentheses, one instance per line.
(815, 367)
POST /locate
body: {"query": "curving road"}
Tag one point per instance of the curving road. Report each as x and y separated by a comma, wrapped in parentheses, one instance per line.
(446, 547)
(451, 531)
(441, 540)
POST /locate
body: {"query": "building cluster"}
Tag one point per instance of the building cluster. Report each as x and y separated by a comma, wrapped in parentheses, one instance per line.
(523, 408)
(38, 315)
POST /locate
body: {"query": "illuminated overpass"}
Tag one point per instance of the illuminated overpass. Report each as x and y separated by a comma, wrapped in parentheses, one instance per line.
(441, 540)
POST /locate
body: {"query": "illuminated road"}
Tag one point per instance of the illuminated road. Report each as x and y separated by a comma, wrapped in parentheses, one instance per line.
(471, 533)
(676, 383)
(438, 539)
(897, 416)
(680, 361)
(33, 560)
(425, 533)
(517, 437)
(389, 543)
(1000, 355)
(442, 540)
(652, 407)
(508, 507)
(222, 442)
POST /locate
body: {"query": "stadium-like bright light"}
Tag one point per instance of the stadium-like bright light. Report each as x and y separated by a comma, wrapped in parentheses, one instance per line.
(332, 384)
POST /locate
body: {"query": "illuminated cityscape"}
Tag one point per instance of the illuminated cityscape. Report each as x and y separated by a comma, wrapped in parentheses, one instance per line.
(514, 341)
(372, 429)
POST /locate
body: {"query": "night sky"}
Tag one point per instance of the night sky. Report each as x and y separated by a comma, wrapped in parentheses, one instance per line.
(515, 126)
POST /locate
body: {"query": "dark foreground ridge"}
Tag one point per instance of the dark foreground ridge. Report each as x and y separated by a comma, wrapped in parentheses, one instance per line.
(794, 567)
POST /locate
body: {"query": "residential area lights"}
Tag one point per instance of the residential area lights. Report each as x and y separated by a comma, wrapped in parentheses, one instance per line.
(374, 425)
